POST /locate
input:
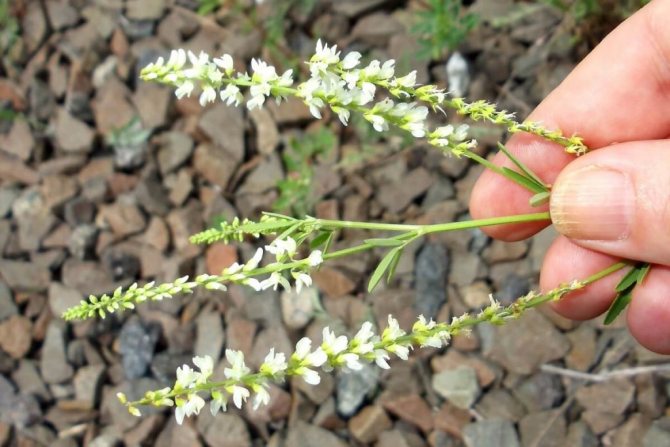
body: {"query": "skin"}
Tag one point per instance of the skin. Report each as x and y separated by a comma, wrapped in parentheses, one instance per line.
(618, 100)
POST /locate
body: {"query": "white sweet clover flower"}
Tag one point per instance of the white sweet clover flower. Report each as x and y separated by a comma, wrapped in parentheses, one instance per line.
(274, 281)
(281, 247)
(240, 394)
(186, 377)
(189, 407)
(324, 57)
(335, 348)
(261, 395)
(391, 336)
(351, 60)
(364, 340)
(301, 279)
(206, 366)
(218, 403)
(434, 340)
(238, 369)
(453, 138)
(274, 364)
(315, 258)
(303, 359)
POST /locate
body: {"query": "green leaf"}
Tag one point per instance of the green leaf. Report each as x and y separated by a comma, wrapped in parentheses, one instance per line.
(628, 280)
(384, 242)
(631, 279)
(618, 305)
(384, 264)
(519, 164)
(393, 266)
(524, 181)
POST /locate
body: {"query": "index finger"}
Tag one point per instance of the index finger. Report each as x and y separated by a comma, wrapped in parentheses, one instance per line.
(620, 92)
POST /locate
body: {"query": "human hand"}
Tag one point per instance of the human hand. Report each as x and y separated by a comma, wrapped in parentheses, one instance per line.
(611, 203)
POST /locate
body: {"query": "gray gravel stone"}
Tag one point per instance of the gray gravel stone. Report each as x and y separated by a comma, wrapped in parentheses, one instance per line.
(432, 265)
(459, 386)
(354, 387)
(137, 343)
(490, 433)
(7, 306)
(54, 365)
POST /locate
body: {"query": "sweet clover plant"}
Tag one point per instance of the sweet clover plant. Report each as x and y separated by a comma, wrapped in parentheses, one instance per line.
(341, 85)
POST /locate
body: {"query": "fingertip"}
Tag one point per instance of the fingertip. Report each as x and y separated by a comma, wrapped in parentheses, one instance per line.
(649, 311)
(566, 262)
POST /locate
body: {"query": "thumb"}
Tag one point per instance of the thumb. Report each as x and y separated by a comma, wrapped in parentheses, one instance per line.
(616, 200)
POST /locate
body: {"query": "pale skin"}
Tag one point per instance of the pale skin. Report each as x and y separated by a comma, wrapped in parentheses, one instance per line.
(618, 100)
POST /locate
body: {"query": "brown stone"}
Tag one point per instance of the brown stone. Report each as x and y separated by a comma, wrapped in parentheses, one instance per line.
(412, 409)
(19, 141)
(71, 134)
(453, 359)
(123, 219)
(333, 282)
(369, 423)
(15, 338)
(451, 419)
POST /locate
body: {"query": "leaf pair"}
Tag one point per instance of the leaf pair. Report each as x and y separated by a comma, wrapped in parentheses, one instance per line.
(624, 290)
(389, 262)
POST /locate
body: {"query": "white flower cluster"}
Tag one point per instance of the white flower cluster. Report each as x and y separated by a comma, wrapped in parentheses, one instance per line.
(453, 138)
(284, 251)
(335, 351)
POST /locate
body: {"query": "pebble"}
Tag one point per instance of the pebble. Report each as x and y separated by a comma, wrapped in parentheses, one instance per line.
(87, 384)
(546, 428)
(540, 392)
(301, 434)
(19, 141)
(82, 241)
(333, 282)
(412, 409)
(175, 148)
(17, 409)
(432, 265)
(227, 430)
(61, 298)
(267, 135)
(53, 363)
(15, 336)
(136, 344)
(298, 308)
(25, 276)
(72, 135)
(459, 386)
(7, 305)
(369, 423)
(210, 336)
(490, 433)
(528, 343)
(354, 387)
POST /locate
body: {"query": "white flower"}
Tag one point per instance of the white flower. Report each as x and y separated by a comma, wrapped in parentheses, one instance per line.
(231, 95)
(378, 122)
(309, 376)
(333, 344)
(225, 62)
(381, 358)
(239, 393)
(343, 114)
(186, 377)
(263, 73)
(192, 406)
(253, 283)
(177, 59)
(256, 102)
(262, 397)
(280, 246)
(237, 369)
(387, 69)
(392, 331)
(461, 132)
(302, 353)
(206, 366)
(208, 95)
(407, 81)
(372, 70)
(219, 402)
(254, 261)
(315, 258)
(273, 363)
(323, 58)
(275, 279)
(351, 361)
(185, 89)
(399, 350)
(351, 60)
(361, 341)
(300, 280)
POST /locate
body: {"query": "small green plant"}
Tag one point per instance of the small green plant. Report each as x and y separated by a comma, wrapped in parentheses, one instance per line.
(296, 194)
(129, 142)
(442, 26)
